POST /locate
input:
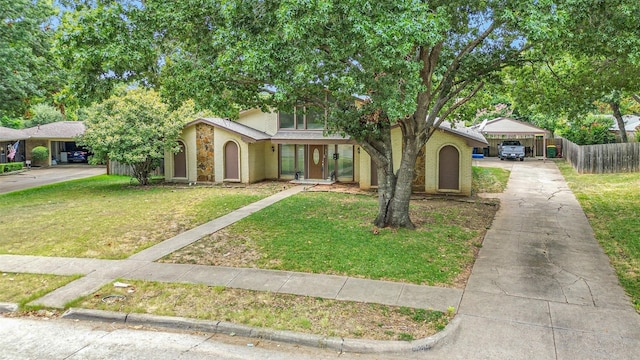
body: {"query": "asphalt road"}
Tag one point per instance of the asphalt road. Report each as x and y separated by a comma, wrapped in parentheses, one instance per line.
(43, 176)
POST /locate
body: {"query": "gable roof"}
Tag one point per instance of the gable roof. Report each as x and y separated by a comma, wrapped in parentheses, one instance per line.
(248, 134)
(508, 126)
(9, 134)
(56, 130)
(473, 137)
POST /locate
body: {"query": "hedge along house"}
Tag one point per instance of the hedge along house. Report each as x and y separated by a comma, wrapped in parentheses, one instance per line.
(281, 146)
(499, 129)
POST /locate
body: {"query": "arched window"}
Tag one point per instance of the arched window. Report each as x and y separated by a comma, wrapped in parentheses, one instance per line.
(449, 168)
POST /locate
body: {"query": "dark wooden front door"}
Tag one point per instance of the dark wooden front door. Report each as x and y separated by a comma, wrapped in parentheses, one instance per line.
(231, 163)
(180, 163)
(449, 168)
(315, 158)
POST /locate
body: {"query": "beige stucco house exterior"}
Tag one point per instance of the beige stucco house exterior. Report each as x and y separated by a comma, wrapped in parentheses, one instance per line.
(276, 146)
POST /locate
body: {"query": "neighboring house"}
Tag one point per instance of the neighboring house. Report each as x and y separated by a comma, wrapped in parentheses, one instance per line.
(631, 126)
(8, 138)
(262, 146)
(58, 137)
(499, 129)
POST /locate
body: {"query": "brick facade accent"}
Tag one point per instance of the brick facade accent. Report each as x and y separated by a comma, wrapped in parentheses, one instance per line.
(204, 157)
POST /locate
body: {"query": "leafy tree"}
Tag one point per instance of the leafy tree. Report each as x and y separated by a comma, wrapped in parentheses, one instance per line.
(27, 69)
(13, 123)
(134, 128)
(589, 130)
(412, 63)
(43, 114)
(596, 59)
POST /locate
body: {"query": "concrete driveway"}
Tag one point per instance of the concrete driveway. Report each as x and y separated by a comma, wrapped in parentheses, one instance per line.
(43, 176)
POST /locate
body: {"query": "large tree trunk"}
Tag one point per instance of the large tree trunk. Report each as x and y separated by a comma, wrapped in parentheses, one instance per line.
(618, 116)
(394, 188)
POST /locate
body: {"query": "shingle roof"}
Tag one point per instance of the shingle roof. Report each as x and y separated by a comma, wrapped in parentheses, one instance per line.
(315, 137)
(474, 137)
(508, 126)
(631, 122)
(8, 134)
(240, 129)
(56, 130)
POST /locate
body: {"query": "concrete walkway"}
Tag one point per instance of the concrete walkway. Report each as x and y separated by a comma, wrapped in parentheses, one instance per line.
(541, 287)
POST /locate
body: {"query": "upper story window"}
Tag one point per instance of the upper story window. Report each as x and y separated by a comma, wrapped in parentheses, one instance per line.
(310, 118)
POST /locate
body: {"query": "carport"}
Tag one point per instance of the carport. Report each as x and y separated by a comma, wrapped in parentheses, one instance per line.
(497, 130)
(58, 137)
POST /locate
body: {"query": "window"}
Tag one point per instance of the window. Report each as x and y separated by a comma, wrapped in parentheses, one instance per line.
(287, 121)
(345, 161)
(315, 118)
(288, 160)
(303, 118)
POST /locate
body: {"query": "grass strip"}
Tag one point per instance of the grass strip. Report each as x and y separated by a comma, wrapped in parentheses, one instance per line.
(24, 288)
(268, 310)
(612, 204)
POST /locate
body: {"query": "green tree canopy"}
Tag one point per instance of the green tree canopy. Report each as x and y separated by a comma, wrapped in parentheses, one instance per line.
(135, 128)
(596, 60)
(28, 70)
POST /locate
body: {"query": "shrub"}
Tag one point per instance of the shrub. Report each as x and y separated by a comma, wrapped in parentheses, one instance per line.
(11, 167)
(40, 153)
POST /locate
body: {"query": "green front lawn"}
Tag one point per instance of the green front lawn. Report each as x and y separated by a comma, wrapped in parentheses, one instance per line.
(612, 204)
(105, 217)
(332, 233)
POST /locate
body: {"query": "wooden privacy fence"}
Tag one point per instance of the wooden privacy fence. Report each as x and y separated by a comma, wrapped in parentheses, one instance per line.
(603, 158)
(116, 168)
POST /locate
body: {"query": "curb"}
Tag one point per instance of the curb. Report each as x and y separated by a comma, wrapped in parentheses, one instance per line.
(309, 340)
(8, 307)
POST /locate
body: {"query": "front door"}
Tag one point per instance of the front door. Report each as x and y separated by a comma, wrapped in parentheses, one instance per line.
(316, 161)
(449, 169)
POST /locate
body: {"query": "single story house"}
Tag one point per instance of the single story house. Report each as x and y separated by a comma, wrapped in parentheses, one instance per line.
(58, 137)
(8, 138)
(533, 138)
(271, 145)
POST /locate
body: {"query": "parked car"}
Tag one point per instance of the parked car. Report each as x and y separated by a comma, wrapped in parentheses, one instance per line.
(511, 149)
(77, 156)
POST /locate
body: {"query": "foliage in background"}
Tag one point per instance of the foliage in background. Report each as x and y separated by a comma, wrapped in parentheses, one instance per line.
(28, 72)
(13, 123)
(135, 128)
(43, 114)
(589, 130)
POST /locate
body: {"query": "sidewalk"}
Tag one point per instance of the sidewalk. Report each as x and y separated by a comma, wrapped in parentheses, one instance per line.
(541, 287)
